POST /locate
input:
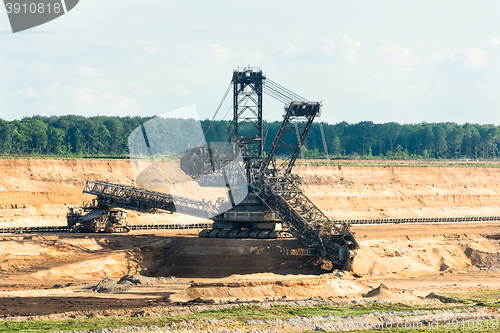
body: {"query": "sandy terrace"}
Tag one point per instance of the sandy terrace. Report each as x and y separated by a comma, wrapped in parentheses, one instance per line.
(37, 192)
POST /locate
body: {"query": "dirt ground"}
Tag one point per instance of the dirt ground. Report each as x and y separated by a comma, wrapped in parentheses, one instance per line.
(52, 273)
(42, 274)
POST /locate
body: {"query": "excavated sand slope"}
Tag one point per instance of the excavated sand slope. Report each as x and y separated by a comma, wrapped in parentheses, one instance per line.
(95, 256)
(38, 191)
(78, 257)
(246, 269)
(380, 192)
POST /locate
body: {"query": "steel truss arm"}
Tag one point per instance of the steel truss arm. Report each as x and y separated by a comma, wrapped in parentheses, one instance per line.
(128, 197)
(297, 122)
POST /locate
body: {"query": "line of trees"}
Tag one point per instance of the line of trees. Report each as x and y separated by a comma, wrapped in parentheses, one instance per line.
(408, 141)
(68, 135)
(108, 136)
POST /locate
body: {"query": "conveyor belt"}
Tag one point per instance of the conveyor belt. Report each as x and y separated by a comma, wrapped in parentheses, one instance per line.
(421, 220)
(129, 197)
(415, 220)
(53, 229)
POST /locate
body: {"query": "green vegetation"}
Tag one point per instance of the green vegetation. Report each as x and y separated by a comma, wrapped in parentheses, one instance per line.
(108, 136)
(489, 297)
(408, 163)
(240, 314)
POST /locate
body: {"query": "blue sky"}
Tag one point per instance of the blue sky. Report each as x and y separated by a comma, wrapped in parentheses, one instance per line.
(404, 61)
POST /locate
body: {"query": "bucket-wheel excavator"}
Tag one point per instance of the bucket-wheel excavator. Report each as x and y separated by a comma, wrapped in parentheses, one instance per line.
(270, 204)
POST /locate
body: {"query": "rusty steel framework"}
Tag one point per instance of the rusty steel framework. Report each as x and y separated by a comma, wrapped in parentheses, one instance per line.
(129, 197)
(247, 108)
(274, 199)
(273, 204)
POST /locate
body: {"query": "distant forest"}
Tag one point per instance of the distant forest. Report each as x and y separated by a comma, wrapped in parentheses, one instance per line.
(108, 136)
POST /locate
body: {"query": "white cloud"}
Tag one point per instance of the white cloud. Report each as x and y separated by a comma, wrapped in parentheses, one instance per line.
(437, 56)
(126, 104)
(85, 96)
(475, 58)
(219, 52)
(177, 90)
(139, 90)
(494, 41)
(29, 92)
(353, 47)
(86, 71)
(37, 67)
(44, 106)
(105, 83)
(343, 49)
(148, 46)
(53, 90)
(290, 51)
(255, 56)
(122, 103)
(328, 47)
(397, 56)
(422, 87)
(411, 88)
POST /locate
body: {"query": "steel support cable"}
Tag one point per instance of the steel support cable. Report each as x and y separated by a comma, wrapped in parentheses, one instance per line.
(295, 96)
(283, 96)
(324, 142)
(276, 96)
(279, 92)
(285, 91)
(218, 108)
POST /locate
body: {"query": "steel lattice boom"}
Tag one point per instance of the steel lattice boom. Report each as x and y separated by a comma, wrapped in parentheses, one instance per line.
(129, 197)
(307, 223)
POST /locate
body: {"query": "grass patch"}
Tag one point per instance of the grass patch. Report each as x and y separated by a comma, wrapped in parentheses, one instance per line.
(240, 314)
(491, 296)
(65, 157)
(86, 324)
(405, 163)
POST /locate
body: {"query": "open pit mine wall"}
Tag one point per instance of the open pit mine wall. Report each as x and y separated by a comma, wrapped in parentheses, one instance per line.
(36, 192)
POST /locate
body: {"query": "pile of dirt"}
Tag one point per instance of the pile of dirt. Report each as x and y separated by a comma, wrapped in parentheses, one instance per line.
(483, 258)
(385, 293)
(268, 285)
(443, 299)
(380, 292)
(148, 281)
(109, 285)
